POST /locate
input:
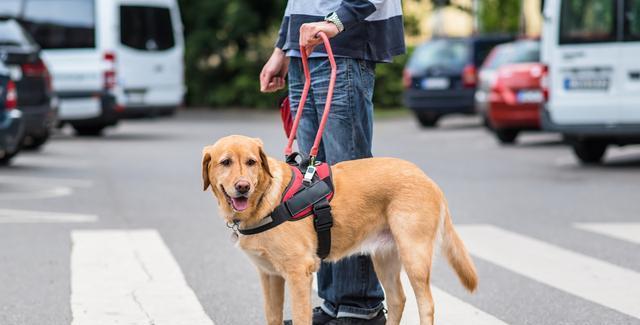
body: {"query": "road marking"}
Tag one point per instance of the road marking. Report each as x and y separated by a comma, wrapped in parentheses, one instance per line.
(586, 277)
(129, 277)
(628, 231)
(448, 309)
(25, 216)
(47, 193)
(73, 182)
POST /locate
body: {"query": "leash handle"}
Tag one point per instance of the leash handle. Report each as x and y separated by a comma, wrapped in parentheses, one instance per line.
(303, 99)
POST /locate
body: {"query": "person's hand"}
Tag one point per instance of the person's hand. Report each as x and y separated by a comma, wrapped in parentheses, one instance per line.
(274, 71)
(309, 37)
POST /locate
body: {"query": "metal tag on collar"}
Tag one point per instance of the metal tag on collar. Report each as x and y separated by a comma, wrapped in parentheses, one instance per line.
(308, 175)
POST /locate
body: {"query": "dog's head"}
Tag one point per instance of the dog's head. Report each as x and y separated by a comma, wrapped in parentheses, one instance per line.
(237, 170)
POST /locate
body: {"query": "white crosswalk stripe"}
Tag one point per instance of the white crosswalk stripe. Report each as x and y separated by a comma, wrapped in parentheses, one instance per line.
(129, 277)
(25, 216)
(586, 277)
(628, 231)
(449, 310)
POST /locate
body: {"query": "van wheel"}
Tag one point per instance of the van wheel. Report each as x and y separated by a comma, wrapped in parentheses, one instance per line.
(427, 120)
(506, 136)
(88, 130)
(589, 151)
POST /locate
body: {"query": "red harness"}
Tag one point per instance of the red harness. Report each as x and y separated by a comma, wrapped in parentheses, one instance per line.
(296, 185)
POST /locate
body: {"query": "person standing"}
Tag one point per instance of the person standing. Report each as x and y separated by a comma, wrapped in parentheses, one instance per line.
(362, 33)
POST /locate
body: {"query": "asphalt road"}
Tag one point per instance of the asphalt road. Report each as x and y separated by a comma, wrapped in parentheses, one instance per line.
(87, 219)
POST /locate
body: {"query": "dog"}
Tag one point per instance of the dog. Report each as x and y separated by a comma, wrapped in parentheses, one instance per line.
(384, 207)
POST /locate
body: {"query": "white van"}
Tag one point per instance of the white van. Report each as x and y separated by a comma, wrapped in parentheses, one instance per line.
(109, 58)
(592, 50)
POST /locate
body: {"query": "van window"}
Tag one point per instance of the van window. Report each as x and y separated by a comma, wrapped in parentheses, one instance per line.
(449, 53)
(60, 24)
(632, 20)
(11, 34)
(146, 28)
(587, 21)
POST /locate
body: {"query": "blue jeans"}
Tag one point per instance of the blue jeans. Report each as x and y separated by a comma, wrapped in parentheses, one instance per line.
(350, 287)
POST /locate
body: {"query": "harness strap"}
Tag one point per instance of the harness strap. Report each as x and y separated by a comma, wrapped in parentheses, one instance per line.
(322, 223)
(287, 210)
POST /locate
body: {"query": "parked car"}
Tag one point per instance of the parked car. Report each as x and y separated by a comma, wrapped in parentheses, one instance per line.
(592, 49)
(440, 77)
(11, 123)
(32, 80)
(110, 59)
(510, 92)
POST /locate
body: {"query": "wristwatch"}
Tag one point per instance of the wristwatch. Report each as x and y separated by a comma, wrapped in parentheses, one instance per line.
(334, 19)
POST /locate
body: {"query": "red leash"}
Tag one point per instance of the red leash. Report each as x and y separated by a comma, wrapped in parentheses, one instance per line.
(303, 99)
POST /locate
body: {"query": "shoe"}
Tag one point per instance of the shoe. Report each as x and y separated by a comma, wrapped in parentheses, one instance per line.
(319, 317)
(380, 319)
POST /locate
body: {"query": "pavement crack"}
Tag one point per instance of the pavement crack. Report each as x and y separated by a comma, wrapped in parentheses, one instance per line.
(139, 304)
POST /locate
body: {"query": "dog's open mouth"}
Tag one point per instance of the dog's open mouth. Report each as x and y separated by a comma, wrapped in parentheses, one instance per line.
(237, 203)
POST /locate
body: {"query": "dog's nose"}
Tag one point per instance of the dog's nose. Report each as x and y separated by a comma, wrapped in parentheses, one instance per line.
(243, 187)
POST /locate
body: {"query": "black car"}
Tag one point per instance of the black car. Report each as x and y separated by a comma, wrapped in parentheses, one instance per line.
(32, 79)
(11, 123)
(441, 76)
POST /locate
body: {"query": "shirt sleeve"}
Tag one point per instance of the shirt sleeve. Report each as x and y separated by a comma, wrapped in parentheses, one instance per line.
(282, 34)
(353, 12)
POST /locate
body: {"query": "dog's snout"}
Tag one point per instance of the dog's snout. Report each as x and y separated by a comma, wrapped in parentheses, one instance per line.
(243, 187)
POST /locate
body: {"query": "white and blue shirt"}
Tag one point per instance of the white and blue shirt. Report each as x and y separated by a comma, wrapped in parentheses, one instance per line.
(373, 29)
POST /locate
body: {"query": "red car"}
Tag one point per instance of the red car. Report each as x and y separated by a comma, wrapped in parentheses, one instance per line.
(515, 100)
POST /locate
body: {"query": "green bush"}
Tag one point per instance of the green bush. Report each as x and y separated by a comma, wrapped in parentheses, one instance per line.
(227, 42)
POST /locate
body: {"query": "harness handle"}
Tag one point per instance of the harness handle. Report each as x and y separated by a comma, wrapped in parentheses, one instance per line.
(303, 99)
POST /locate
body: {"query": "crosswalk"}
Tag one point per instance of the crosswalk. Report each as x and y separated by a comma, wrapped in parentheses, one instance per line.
(141, 283)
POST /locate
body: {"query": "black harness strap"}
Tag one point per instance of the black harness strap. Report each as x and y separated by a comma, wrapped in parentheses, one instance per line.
(322, 223)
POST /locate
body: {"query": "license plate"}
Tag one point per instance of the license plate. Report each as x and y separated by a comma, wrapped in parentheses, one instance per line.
(435, 83)
(530, 96)
(135, 97)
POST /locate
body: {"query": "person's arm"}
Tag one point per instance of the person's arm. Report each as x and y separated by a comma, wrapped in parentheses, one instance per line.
(272, 76)
(349, 14)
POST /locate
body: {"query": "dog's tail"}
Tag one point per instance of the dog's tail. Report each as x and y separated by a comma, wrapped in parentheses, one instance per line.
(455, 251)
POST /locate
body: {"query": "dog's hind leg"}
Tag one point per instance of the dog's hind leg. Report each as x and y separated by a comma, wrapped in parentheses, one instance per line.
(388, 266)
(414, 230)
(273, 293)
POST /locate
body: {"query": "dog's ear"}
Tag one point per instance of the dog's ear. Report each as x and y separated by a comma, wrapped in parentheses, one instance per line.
(206, 159)
(263, 157)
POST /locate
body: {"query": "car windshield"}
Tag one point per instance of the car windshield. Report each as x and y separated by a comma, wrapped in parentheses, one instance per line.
(517, 52)
(448, 53)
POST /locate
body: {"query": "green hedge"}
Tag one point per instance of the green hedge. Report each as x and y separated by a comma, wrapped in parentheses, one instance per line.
(227, 42)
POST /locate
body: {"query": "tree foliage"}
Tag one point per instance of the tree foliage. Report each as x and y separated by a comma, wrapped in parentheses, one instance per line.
(226, 44)
(499, 16)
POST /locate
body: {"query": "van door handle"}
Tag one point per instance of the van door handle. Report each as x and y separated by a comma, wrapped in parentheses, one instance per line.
(634, 75)
(573, 55)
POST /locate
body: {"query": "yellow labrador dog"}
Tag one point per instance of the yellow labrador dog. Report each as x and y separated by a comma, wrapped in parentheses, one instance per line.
(385, 207)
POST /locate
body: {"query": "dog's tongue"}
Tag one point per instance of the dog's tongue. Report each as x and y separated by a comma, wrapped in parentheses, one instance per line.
(240, 203)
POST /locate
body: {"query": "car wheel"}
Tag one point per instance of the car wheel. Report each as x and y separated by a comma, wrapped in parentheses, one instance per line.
(88, 130)
(427, 120)
(506, 136)
(35, 142)
(6, 159)
(589, 151)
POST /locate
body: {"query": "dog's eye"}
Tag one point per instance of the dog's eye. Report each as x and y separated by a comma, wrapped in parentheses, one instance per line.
(226, 162)
(251, 162)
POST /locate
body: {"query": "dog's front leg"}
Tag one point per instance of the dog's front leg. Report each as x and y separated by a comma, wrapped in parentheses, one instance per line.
(273, 293)
(299, 285)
